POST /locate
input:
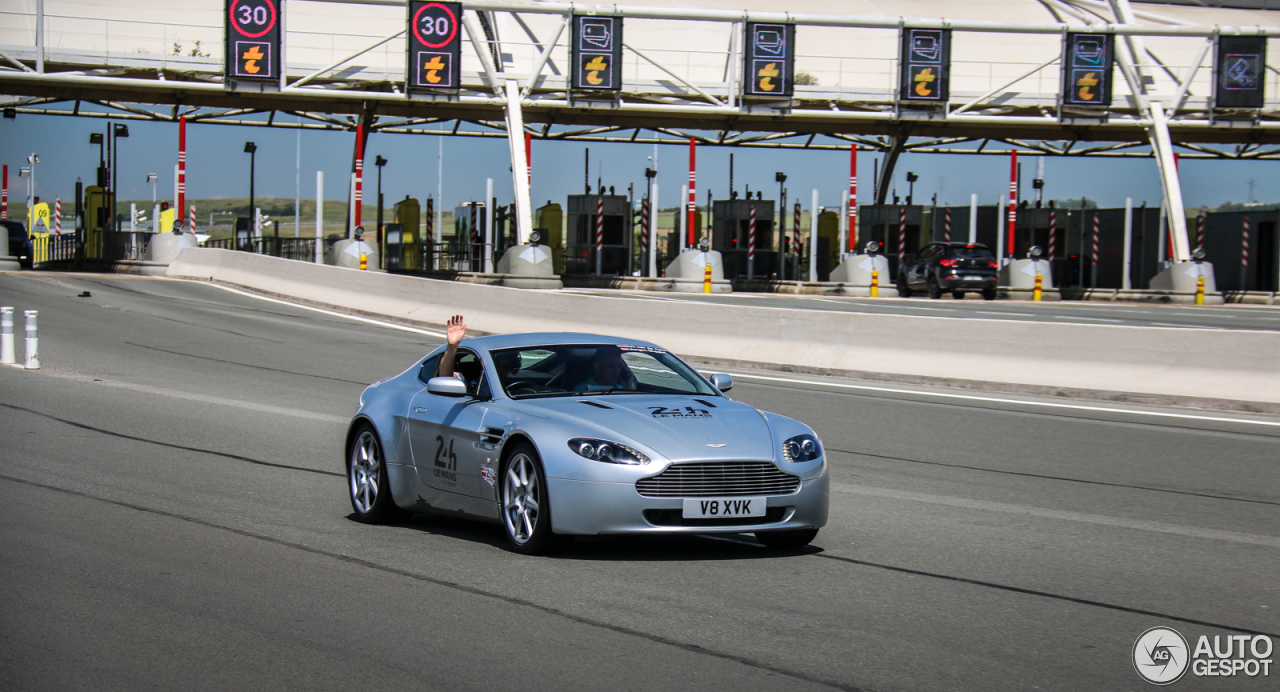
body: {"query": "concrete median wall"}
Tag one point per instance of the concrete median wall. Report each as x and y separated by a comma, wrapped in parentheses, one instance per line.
(1156, 364)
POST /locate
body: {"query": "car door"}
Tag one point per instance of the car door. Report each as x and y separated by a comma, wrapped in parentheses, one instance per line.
(918, 269)
(445, 433)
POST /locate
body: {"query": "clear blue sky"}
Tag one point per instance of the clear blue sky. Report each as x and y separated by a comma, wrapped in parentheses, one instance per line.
(218, 167)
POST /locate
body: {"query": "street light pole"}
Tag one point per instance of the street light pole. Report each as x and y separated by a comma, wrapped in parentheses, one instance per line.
(252, 150)
(118, 130)
(380, 162)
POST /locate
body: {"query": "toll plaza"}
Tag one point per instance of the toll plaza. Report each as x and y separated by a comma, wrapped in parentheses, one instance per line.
(1243, 248)
(742, 228)
(599, 235)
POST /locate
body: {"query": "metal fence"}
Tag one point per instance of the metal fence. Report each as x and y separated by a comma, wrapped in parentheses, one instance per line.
(109, 246)
(303, 249)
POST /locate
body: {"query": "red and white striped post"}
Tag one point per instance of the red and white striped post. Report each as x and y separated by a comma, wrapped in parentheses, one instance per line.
(902, 235)
(191, 223)
(360, 173)
(1200, 231)
(1244, 256)
(182, 169)
(1094, 278)
(946, 228)
(4, 195)
(1013, 199)
(751, 245)
(795, 233)
(693, 197)
(853, 198)
(528, 156)
(599, 234)
(644, 228)
(1053, 233)
(57, 216)
(429, 240)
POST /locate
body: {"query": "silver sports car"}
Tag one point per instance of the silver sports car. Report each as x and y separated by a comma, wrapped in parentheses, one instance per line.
(561, 434)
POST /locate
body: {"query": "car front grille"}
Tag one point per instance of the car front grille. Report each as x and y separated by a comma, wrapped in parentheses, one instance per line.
(718, 479)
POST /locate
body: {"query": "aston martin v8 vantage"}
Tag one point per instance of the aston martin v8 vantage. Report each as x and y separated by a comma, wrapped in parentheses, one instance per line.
(554, 435)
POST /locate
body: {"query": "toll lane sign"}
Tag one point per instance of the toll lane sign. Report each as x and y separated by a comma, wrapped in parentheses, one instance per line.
(1240, 64)
(1086, 69)
(434, 45)
(252, 50)
(770, 59)
(925, 65)
(597, 53)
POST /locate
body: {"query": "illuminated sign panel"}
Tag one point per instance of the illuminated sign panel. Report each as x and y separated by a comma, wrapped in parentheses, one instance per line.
(597, 53)
(769, 59)
(1086, 69)
(434, 45)
(252, 50)
(1240, 64)
(925, 68)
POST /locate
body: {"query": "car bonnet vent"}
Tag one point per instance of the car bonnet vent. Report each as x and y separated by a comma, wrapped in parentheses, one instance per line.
(597, 404)
(704, 402)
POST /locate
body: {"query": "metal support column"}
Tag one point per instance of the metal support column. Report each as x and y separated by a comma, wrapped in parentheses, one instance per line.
(519, 164)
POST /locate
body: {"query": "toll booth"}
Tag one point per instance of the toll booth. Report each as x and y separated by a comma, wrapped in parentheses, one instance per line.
(580, 251)
(401, 244)
(244, 234)
(549, 223)
(1224, 245)
(97, 218)
(883, 223)
(466, 247)
(827, 257)
(730, 232)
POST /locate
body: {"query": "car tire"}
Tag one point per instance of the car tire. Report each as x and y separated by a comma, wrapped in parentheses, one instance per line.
(787, 540)
(904, 290)
(935, 291)
(367, 483)
(525, 508)
(989, 294)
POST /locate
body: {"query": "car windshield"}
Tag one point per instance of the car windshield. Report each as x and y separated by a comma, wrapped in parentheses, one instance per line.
(594, 369)
(970, 252)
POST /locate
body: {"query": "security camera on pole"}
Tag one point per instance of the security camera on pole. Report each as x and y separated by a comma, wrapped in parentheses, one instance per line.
(687, 272)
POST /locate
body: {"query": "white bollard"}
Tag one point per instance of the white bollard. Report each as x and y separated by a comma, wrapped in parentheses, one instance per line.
(33, 347)
(6, 336)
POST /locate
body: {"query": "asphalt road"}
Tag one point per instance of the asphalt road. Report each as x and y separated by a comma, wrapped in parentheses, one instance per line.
(1156, 315)
(173, 516)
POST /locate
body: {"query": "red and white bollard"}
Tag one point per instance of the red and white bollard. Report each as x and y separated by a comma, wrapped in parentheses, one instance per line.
(751, 244)
(57, 216)
(1094, 279)
(902, 235)
(946, 229)
(644, 227)
(191, 223)
(1053, 233)
(1200, 231)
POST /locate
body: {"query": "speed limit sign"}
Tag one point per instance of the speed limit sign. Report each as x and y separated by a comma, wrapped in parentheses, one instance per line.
(252, 49)
(434, 46)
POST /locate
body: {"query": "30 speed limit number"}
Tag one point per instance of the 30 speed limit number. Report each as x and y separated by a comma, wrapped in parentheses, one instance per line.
(253, 39)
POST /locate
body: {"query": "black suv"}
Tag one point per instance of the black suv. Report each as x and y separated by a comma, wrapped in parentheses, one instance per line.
(19, 243)
(954, 267)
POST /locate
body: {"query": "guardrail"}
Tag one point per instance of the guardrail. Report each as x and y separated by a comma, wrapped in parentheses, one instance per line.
(1121, 363)
(302, 249)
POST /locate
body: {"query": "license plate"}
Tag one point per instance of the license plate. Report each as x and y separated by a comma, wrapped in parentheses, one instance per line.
(724, 507)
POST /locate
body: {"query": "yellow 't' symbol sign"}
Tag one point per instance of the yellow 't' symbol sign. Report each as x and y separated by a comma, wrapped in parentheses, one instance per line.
(766, 75)
(251, 58)
(594, 67)
(1088, 81)
(923, 79)
(432, 68)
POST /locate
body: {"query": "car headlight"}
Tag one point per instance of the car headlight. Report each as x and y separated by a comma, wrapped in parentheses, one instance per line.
(607, 451)
(801, 448)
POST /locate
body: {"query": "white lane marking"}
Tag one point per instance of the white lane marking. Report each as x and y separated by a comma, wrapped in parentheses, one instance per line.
(203, 398)
(1018, 314)
(1090, 319)
(1185, 326)
(913, 307)
(366, 320)
(971, 397)
(1136, 524)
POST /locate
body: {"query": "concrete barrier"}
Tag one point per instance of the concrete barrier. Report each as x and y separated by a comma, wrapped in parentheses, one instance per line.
(1207, 368)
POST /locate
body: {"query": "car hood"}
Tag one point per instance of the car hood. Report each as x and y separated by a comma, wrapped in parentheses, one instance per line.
(680, 428)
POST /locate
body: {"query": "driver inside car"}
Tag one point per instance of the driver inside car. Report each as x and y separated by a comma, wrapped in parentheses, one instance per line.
(608, 372)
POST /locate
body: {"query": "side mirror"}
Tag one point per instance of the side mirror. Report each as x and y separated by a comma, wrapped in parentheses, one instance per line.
(722, 381)
(447, 386)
